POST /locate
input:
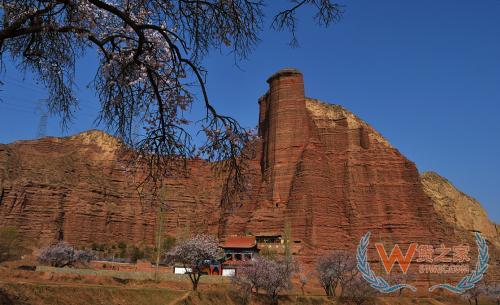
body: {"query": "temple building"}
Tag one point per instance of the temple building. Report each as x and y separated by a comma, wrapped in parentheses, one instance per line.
(240, 248)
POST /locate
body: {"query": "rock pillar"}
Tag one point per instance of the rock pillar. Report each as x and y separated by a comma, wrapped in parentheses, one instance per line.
(284, 128)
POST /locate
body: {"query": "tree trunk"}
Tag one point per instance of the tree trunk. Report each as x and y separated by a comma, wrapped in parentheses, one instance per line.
(274, 298)
(194, 280)
(159, 241)
(328, 291)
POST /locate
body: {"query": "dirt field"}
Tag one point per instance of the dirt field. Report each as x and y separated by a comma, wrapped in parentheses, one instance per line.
(65, 287)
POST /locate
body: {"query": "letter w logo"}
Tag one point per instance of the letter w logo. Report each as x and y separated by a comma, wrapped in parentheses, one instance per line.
(396, 255)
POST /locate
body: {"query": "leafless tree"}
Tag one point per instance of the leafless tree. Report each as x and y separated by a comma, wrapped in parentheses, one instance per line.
(358, 292)
(472, 295)
(336, 270)
(326, 13)
(303, 279)
(493, 291)
(62, 255)
(195, 254)
(150, 64)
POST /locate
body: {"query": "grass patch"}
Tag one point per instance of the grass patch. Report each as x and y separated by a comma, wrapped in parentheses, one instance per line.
(38, 294)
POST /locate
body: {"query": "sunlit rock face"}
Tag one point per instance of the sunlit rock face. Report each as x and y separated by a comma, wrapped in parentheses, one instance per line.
(317, 167)
(78, 189)
(332, 176)
(459, 209)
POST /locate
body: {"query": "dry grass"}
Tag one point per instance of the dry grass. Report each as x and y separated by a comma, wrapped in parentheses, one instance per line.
(50, 294)
(77, 287)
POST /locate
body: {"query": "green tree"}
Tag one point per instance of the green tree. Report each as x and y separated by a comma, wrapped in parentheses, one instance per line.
(123, 249)
(136, 254)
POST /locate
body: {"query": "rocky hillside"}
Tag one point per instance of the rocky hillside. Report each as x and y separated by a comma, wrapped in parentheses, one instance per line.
(317, 166)
(78, 189)
(459, 209)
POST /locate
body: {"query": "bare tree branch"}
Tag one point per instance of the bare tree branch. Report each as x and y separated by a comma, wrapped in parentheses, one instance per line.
(149, 53)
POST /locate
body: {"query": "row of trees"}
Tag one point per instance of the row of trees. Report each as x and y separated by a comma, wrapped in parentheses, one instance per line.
(337, 272)
(272, 275)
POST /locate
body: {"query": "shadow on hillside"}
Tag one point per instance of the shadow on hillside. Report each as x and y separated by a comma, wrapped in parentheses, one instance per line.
(9, 299)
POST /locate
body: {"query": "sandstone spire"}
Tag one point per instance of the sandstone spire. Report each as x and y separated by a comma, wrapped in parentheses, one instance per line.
(283, 126)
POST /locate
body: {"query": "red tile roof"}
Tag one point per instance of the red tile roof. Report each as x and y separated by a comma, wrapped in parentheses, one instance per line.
(239, 242)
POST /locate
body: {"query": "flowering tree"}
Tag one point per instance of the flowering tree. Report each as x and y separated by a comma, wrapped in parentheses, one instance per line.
(248, 278)
(336, 270)
(272, 276)
(150, 55)
(62, 255)
(195, 254)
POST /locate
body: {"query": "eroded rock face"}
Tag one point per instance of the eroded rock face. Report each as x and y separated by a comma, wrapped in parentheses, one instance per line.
(317, 166)
(333, 177)
(457, 208)
(77, 189)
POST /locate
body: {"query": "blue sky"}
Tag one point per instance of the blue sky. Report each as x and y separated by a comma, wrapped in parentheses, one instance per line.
(426, 74)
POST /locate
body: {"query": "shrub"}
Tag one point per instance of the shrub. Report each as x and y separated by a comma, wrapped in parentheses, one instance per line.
(136, 254)
(358, 292)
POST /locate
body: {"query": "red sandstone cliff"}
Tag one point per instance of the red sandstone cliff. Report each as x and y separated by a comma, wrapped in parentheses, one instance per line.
(332, 176)
(318, 167)
(77, 189)
(459, 209)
